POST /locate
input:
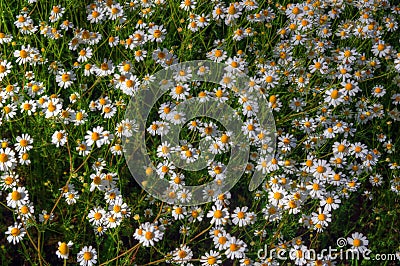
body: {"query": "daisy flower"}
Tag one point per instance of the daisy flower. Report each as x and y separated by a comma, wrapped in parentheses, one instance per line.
(65, 79)
(59, 138)
(140, 55)
(7, 159)
(164, 150)
(5, 38)
(95, 136)
(376, 180)
(323, 217)
(25, 212)
(358, 242)
(113, 41)
(9, 180)
(270, 79)
(80, 117)
(87, 256)
(182, 255)
(85, 54)
(56, 13)
(18, 197)
(330, 201)
(276, 196)
(83, 148)
(211, 258)
(148, 234)
(321, 169)
(108, 111)
(96, 15)
(24, 158)
(180, 91)
(15, 233)
(221, 239)
(63, 249)
(196, 214)
(347, 55)
(106, 68)
(24, 55)
(115, 11)
(236, 248)
(233, 12)
(53, 107)
(187, 5)
(334, 97)
(219, 214)
(157, 33)
(165, 168)
(44, 216)
(71, 197)
(217, 55)
(297, 253)
(5, 68)
(97, 181)
(24, 143)
(96, 216)
(179, 212)
(378, 91)
(28, 106)
(381, 49)
(240, 216)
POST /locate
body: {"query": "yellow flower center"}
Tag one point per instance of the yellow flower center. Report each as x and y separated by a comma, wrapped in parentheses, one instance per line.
(157, 33)
(87, 256)
(148, 235)
(24, 209)
(65, 77)
(222, 240)
(320, 169)
(8, 180)
(15, 232)
(114, 10)
(3, 158)
(268, 79)
(232, 9)
(347, 53)
(63, 249)
(182, 254)
(277, 195)
(218, 53)
(219, 93)
(224, 138)
(23, 54)
(211, 260)
(335, 94)
(381, 47)
(218, 214)
(234, 247)
(95, 136)
(95, 14)
(23, 143)
(104, 66)
(357, 242)
(179, 89)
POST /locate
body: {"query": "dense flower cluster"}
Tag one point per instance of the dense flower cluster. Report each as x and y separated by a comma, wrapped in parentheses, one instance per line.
(331, 80)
